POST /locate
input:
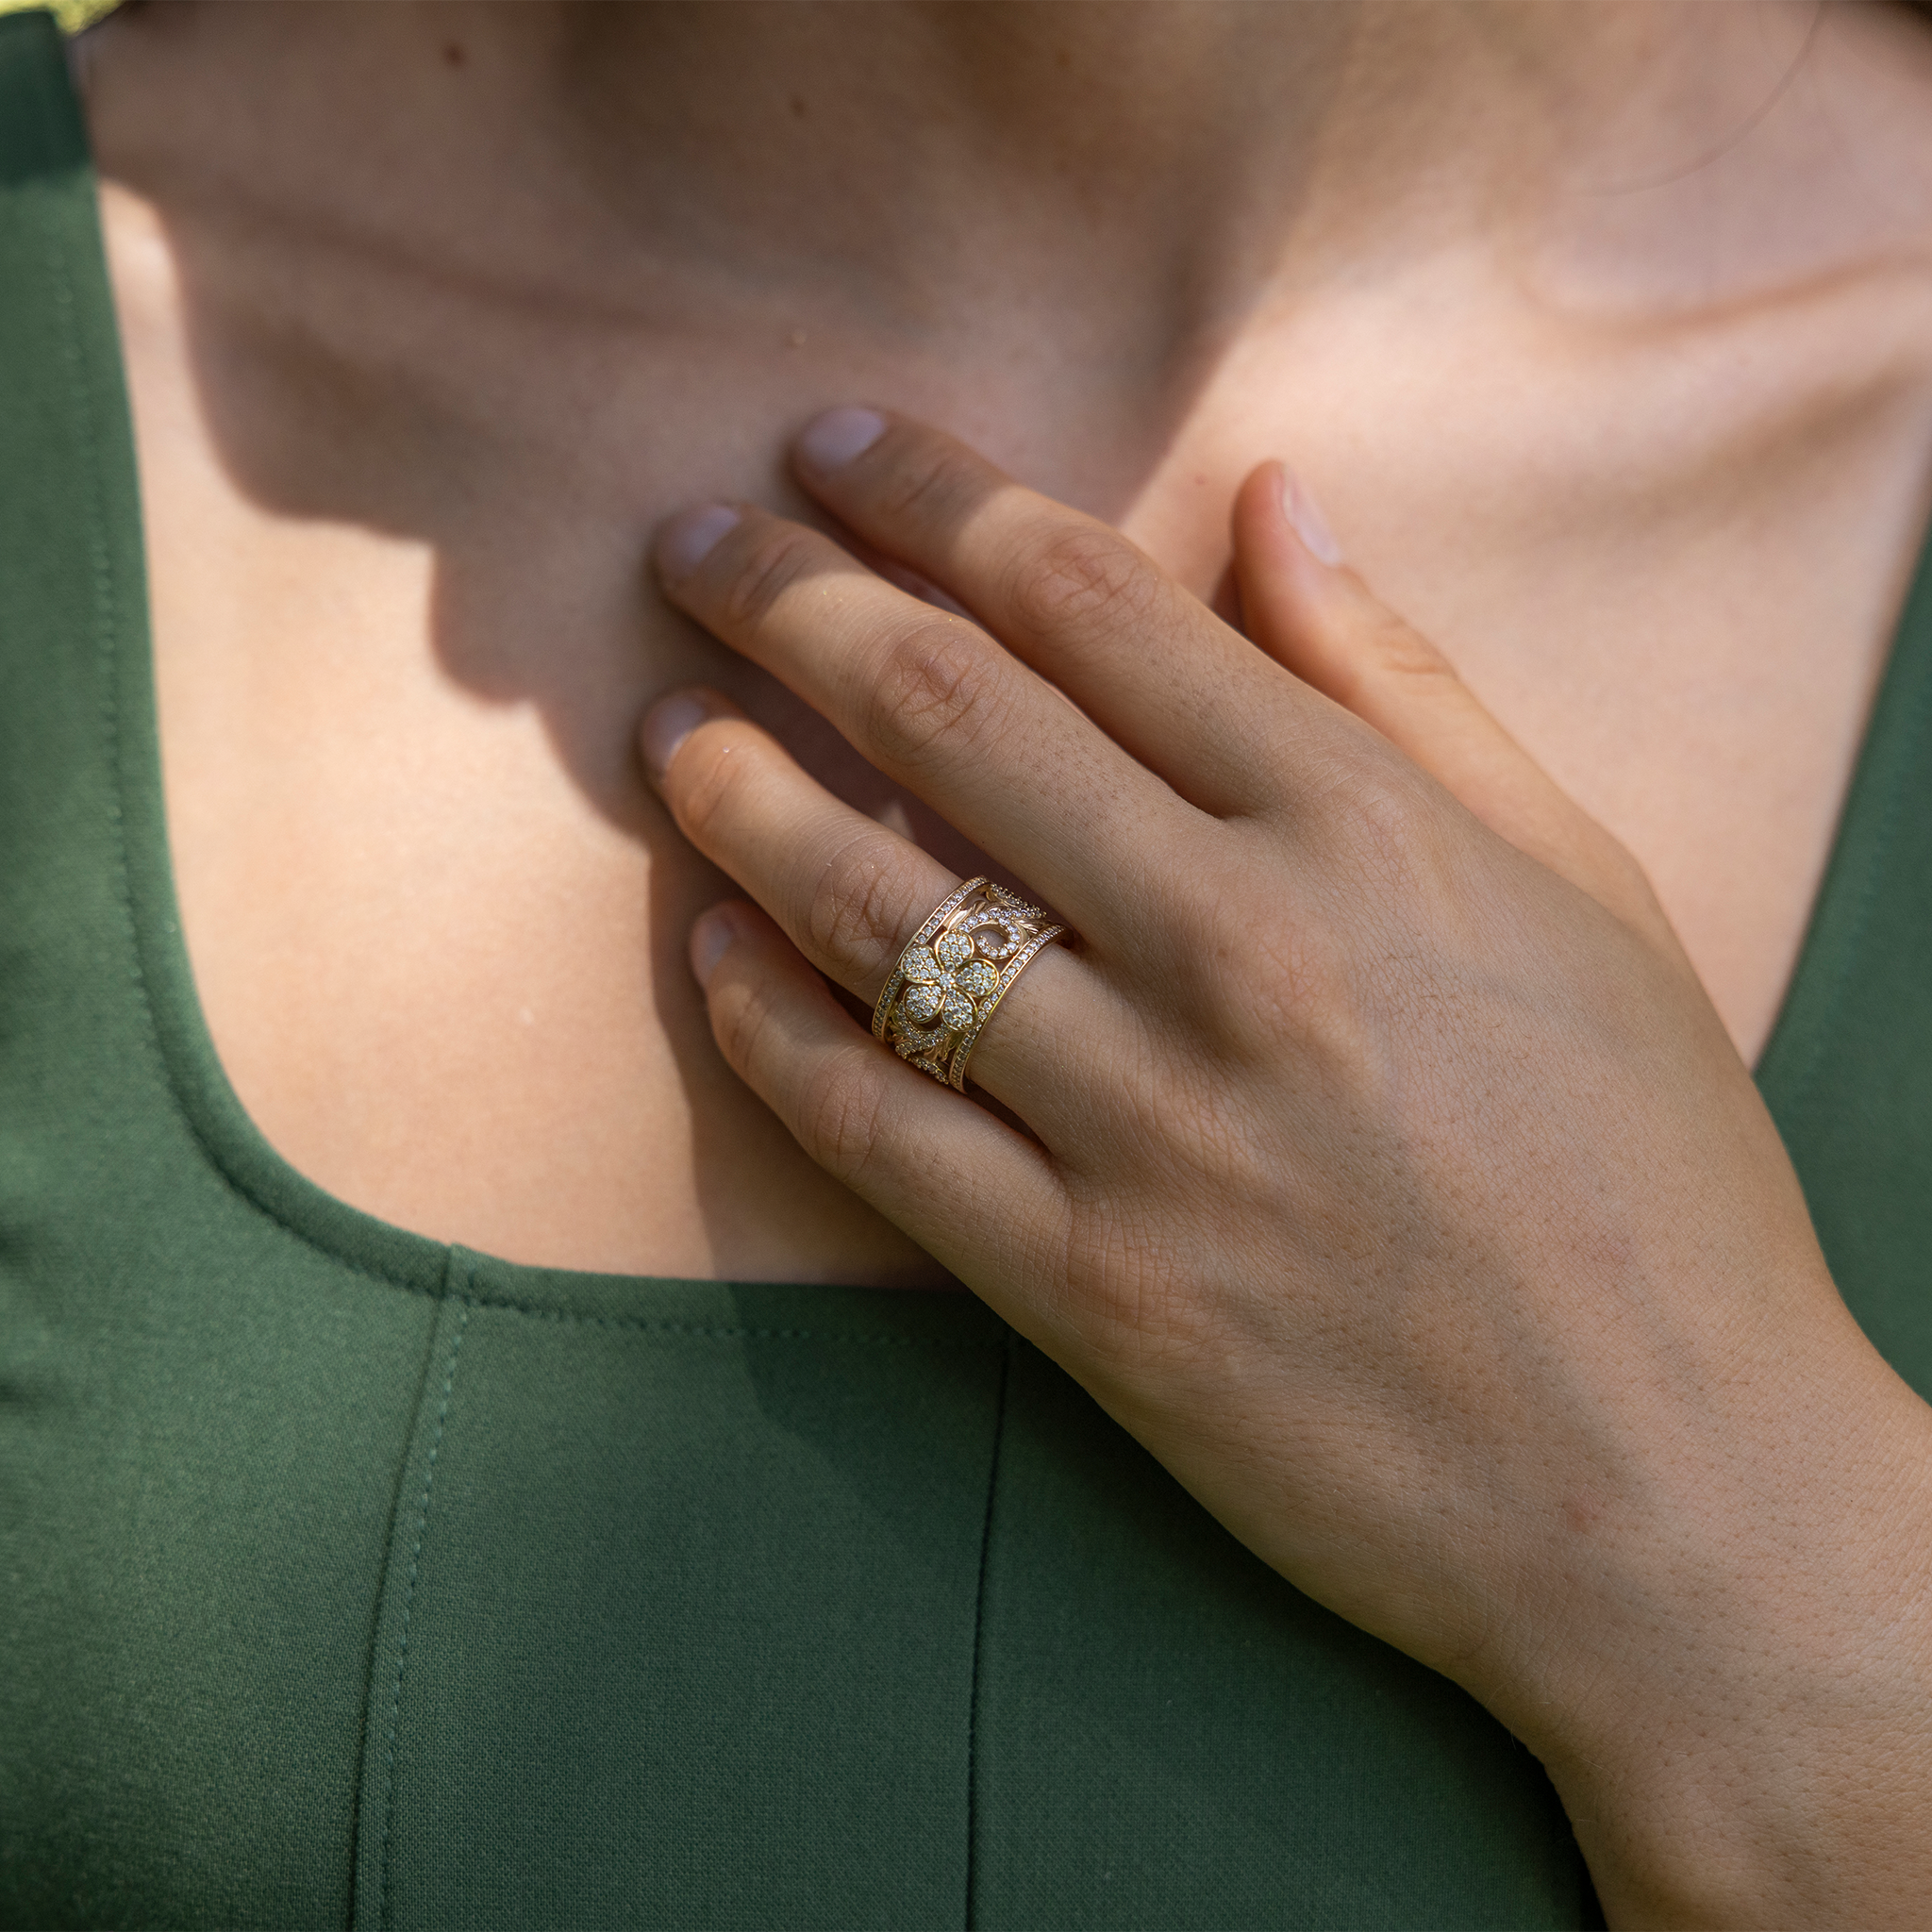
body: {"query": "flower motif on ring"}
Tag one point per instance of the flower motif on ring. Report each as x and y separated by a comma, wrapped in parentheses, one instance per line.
(944, 982)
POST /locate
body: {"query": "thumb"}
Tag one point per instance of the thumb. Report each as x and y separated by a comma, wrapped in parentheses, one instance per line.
(1318, 618)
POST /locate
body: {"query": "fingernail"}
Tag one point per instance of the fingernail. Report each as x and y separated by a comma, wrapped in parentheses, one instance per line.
(710, 940)
(1305, 514)
(690, 537)
(666, 726)
(831, 440)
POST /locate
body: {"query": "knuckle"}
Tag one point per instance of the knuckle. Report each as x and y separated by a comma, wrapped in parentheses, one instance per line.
(940, 683)
(740, 1017)
(1379, 823)
(1252, 977)
(1243, 969)
(1391, 839)
(1084, 576)
(780, 558)
(1401, 650)
(931, 485)
(706, 793)
(1390, 811)
(840, 1109)
(1261, 982)
(853, 916)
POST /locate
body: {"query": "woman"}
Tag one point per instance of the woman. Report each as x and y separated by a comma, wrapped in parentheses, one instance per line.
(387, 1546)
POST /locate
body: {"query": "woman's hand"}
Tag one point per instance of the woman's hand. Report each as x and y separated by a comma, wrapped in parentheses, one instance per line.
(1390, 1177)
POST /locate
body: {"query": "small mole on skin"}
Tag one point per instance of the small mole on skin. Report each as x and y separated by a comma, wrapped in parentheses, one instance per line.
(797, 339)
(453, 54)
(797, 106)
(1581, 1512)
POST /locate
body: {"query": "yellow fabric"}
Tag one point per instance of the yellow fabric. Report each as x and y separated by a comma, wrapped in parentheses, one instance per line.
(72, 14)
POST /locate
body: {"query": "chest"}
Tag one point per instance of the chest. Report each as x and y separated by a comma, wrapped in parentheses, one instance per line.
(403, 631)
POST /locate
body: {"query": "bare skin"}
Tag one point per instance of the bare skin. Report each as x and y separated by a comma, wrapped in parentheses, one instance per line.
(1650, 463)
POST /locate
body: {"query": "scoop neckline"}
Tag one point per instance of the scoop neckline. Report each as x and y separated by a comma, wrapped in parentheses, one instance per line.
(366, 1243)
(226, 1133)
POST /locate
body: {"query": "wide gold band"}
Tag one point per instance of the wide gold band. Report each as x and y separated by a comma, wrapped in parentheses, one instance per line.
(955, 971)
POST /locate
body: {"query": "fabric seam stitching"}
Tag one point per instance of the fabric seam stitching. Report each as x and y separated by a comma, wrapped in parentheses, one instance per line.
(644, 1323)
(388, 1790)
(372, 1670)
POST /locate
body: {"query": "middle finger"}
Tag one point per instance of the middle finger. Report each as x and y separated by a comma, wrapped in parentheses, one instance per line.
(935, 702)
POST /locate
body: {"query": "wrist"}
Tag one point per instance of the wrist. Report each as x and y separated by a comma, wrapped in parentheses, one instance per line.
(1731, 1684)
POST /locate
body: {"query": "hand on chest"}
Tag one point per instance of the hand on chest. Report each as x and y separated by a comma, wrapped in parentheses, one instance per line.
(400, 650)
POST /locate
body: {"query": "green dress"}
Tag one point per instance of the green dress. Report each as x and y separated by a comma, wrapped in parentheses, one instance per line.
(346, 1578)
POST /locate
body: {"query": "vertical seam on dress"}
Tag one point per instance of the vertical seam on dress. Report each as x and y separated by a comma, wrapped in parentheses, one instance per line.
(992, 1476)
(395, 1702)
(361, 1810)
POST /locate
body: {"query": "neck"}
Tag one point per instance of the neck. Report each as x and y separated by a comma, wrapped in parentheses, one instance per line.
(923, 166)
(1188, 155)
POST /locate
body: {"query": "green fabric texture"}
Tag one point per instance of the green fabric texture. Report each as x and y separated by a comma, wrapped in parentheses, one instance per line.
(353, 1579)
(1848, 1068)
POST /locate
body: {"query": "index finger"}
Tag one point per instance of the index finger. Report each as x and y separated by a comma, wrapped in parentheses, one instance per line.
(1185, 694)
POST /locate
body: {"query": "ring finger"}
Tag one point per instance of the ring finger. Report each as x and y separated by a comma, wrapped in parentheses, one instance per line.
(846, 891)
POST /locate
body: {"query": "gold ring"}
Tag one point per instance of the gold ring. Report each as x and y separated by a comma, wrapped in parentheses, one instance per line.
(954, 972)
